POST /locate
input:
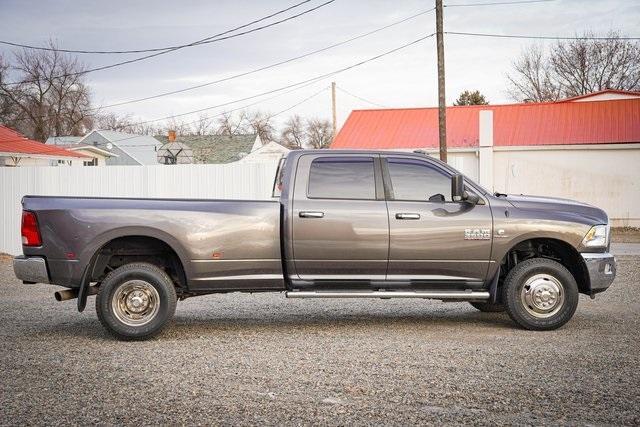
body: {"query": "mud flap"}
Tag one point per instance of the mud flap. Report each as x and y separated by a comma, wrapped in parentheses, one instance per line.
(493, 287)
(82, 292)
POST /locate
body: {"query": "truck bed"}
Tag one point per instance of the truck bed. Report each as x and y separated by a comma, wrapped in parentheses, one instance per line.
(222, 244)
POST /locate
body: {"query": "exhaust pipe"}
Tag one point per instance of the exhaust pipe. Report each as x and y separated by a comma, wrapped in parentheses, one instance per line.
(73, 293)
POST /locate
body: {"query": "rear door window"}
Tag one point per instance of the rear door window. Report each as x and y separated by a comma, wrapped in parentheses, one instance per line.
(342, 178)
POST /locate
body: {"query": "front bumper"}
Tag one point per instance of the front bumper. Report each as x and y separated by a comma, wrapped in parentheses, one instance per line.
(602, 270)
(31, 269)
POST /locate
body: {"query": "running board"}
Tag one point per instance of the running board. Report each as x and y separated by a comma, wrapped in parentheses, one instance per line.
(442, 295)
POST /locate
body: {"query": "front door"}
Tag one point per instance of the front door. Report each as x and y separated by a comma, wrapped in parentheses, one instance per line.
(340, 225)
(432, 238)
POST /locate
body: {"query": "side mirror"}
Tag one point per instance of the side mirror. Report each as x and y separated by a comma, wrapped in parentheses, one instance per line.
(459, 194)
(457, 188)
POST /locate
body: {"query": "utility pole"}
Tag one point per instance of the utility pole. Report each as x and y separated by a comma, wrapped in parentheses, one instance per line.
(333, 108)
(442, 110)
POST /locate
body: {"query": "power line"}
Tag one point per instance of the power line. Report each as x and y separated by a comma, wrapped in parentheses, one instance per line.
(293, 85)
(238, 109)
(361, 98)
(497, 3)
(26, 46)
(242, 107)
(299, 103)
(517, 36)
(317, 78)
(143, 58)
(266, 67)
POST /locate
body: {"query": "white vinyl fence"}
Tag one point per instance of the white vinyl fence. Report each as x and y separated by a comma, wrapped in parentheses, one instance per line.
(228, 181)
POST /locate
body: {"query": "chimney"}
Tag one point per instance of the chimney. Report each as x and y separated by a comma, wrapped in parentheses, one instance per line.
(172, 136)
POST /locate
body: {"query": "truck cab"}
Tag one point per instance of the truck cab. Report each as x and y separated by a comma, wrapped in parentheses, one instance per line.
(388, 220)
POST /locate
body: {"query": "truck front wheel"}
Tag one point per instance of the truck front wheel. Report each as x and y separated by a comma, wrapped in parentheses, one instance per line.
(136, 301)
(540, 294)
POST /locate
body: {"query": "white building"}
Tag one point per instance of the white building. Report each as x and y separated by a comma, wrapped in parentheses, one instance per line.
(96, 156)
(265, 153)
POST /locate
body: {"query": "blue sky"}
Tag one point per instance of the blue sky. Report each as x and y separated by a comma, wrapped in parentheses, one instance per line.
(404, 79)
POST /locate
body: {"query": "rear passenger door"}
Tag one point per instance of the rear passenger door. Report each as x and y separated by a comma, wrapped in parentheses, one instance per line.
(340, 225)
(432, 238)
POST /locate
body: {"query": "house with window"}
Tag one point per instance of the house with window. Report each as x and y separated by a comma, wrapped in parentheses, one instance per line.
(128, 148)
(112, 148)
(18, 150)
(96, 156)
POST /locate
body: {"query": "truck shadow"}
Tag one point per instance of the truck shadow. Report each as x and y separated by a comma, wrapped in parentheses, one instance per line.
(331, 322)
(191, 324)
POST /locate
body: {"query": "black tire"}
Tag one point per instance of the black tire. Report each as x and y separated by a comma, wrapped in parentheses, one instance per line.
(143, 285)
(488, 306)
(540, 274)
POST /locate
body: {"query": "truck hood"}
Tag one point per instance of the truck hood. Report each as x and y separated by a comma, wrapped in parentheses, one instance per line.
(597, 215)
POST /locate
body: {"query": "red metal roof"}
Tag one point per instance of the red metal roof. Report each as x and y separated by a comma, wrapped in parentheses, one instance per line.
(12, 142)
(554, 123)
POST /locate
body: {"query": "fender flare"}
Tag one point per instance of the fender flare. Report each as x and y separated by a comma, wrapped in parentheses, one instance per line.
(102, 240)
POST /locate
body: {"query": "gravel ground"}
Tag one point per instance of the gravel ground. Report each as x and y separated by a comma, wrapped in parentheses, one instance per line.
(262, 359)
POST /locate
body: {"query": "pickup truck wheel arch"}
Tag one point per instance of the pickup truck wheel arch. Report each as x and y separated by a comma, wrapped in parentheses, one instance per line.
(136, 246)
(550, 248)
(99, 263)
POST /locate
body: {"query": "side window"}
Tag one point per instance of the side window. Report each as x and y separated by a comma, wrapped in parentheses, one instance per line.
(416, 180)
(342, 178)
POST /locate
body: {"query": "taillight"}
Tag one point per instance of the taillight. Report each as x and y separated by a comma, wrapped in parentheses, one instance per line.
(29, 229)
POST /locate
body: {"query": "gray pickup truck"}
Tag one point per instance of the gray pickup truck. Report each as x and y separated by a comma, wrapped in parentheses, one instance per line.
(342, 224)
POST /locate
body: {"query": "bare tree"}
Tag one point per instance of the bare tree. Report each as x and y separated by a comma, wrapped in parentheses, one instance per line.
(531, 80)
(576, 67)
(180, 126)
(203, 125)
(6, 111)
(294, 133)
(319, 133)
(49, 96)
(260, 123)
(125, 123)
(229, 124)
(583, 66)
(112, 121)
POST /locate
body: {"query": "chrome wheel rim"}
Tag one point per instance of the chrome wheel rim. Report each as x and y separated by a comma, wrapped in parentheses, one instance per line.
(135, 302)
(542, 295)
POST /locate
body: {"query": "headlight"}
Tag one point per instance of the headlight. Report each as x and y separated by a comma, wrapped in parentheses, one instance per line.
(597, 237)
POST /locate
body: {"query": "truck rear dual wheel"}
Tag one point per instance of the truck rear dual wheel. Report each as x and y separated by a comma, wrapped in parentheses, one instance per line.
(540, 294)
(136, 301)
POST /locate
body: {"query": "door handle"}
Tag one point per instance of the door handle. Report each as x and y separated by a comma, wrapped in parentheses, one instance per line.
(407, 216)
(307, 214)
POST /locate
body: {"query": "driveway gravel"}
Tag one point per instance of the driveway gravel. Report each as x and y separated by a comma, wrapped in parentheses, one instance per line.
(265, 360)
